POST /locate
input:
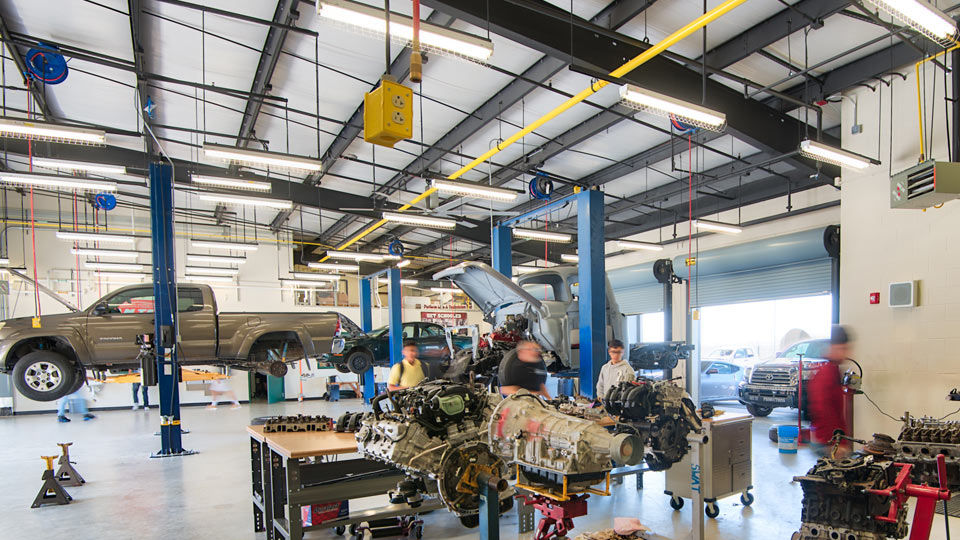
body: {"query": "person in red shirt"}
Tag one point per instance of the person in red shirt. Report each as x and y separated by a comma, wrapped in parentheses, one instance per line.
(826, 399)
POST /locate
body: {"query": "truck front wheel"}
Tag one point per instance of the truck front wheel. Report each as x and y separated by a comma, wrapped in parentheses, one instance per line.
(359, 362)
(759, 410)
(45, 376)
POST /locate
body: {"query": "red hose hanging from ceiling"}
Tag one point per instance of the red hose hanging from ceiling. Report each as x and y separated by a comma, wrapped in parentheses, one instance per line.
(689, 214)
(33, 229)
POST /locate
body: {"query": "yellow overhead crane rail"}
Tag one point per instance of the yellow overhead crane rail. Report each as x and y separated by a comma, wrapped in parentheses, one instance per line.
(594, 87)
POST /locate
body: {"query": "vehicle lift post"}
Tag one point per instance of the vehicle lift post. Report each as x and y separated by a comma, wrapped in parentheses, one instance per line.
(395, 318)
(165, 315)
(592, 279)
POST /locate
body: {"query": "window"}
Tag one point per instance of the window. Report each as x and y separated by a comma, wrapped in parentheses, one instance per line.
(545, 287)
(409, 331)
(131, 301)
(809, 349)
(430, 330)
(349, 327)
(189, 299)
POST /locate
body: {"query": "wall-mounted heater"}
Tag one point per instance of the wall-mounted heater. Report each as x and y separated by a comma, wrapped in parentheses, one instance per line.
(925, 184)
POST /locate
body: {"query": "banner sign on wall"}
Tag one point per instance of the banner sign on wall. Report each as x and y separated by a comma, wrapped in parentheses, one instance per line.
(445, 318)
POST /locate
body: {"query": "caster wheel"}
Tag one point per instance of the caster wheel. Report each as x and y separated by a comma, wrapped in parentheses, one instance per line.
(676, 503)
(340, 530)
(746, 498)
(353, 529)
(712, 510)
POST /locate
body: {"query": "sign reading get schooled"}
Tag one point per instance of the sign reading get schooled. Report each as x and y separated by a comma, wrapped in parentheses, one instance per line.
(444, 318)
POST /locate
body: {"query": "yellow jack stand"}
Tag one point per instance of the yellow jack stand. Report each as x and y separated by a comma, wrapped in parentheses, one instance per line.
(66, 474)
(51, 492)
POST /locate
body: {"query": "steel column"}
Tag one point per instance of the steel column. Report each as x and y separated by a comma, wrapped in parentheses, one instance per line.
(395, 307)
(366, 324)
(501, 252)
(165, 301)
(592, 288)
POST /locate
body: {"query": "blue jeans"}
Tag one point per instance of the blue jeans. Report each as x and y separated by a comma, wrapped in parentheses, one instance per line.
(146, 396)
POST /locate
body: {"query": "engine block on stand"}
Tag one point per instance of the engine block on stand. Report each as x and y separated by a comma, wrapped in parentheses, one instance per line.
(918, 444)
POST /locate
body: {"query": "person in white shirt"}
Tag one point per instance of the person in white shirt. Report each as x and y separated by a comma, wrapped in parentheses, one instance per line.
(615, 371)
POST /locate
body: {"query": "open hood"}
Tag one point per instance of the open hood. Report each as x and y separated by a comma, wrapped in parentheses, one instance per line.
(489, 289)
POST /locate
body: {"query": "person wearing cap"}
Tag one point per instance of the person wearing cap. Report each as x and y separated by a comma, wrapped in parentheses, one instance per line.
(615, 371)
(825, 397)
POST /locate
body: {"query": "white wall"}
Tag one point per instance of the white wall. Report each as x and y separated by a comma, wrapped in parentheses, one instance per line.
(910, 356)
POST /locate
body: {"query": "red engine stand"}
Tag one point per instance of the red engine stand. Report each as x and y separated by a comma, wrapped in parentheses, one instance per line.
(558, 516)
(927, 498)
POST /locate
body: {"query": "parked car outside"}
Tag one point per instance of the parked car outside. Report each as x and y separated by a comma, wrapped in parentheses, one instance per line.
(775, 382)
(363, 350)
(741, 355)
(719, 380)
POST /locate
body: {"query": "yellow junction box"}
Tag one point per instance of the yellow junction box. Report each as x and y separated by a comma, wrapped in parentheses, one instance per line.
(388, 114)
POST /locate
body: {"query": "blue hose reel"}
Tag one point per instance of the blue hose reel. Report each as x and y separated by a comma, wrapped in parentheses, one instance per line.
(540, 187)
(396, 248)
(46, 65)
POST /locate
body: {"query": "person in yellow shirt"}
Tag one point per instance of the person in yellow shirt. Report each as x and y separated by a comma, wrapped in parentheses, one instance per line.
(409, 371)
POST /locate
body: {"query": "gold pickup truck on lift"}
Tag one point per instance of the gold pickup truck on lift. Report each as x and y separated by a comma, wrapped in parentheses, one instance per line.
(50, 362)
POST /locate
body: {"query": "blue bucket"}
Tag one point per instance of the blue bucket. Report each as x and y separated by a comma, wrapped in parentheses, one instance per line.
(787, 439)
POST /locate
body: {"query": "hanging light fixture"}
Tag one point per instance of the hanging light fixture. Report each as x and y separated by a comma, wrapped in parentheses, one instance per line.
(316, 277)
(717, 226)
(105, 253)
(261, 157)
(99, 168)
(93, 265)
(922, 17)
(569, 257)
(133, 277)
(208, 279)
(231, 183)
(670, 107)
(630, 244)
(246, 201)
(479, 191)
(335, 267)
(353, 255)
(50, 181)
(212, 270)
(424, 221)
(842, 158)
(452, 290)
(409, 282)
(45, 131)
(433, 38)
(237, 246)
(546, 236)
(226, 259)
(74, 236)
(308, 283)
(403, 263)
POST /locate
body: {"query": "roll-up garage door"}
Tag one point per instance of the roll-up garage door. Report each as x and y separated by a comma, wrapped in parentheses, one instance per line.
(636, 290)
(775, 268)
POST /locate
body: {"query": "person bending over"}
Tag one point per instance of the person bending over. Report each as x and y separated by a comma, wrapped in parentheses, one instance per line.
(524, 368)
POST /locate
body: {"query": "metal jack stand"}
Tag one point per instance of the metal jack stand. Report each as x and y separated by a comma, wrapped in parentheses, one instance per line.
(558, 516)
(490, 488)
(51, 492)
(66, 474)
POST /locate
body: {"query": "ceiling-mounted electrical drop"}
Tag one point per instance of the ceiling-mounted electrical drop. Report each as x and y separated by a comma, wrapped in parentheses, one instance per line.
(670, 107)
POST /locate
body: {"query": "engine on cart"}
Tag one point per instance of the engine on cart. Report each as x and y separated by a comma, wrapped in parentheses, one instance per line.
(664, 355)
(918, 444)
(836, 506)
(660, 413)
(483, 365)
(435, 433)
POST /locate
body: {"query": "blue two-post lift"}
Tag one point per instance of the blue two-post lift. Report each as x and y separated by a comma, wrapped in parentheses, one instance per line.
(592, 288)
(395, 309)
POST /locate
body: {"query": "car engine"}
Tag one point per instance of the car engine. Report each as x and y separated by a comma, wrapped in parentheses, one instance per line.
(435, 433)
(489, 353)
(551, 448)
(836, 506)
(659, 355)
(660, 413)
(919, 442)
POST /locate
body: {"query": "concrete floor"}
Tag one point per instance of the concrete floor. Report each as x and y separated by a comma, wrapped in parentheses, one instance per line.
(207, 495)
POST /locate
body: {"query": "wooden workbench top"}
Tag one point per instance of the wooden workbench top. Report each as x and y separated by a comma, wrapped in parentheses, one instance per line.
(307, 444)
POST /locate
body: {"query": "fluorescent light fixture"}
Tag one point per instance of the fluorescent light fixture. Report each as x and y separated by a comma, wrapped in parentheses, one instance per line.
(479, 191)
(526, 269)
(55, 182)
(208, 279)
(335, 267)
(247, 201)
(546, 236)
(112, 266)
(212, 270)
(403, 263)
(432, 37)
(569, 257)
(313, 284)
(445, 290)
(717, 226)
(230, 183)
(828, 154)
(95, 237)
(663, 105)
(315, 277)
(90, 252)
(261, 157)
(226, 259)
(409, 282)
(100, 168)
(922, 17)
(210, 244)
(44, 131)
(426, 221)
(629, 244)
(130, 276)
(353, 255)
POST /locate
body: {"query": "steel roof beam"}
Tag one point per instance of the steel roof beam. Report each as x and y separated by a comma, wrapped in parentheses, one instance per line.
(36, 90)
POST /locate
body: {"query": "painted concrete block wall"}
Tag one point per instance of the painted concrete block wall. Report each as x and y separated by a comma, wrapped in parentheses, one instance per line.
(909, 355)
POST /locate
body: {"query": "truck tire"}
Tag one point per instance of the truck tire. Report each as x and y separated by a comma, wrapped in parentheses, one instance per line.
(759, 410)
(359, 362)
(342, 368)
(45, 376)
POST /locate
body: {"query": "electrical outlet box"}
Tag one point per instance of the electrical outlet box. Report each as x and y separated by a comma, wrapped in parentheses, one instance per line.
(388, 114)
